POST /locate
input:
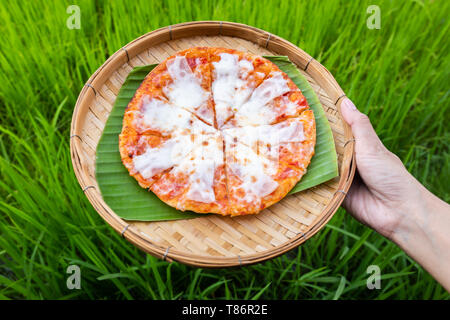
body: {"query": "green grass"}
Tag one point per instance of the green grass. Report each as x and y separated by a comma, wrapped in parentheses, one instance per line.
(399, 75)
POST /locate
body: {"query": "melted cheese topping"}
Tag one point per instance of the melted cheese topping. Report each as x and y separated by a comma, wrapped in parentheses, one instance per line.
(257, 110)
(201, 166)
(253, 171)
(155, 160)
(265, 140)
(291, 108)
(164, 117)
(287, 131)
(185, 91)
(284, 132)
(229, 87)
(156, 114)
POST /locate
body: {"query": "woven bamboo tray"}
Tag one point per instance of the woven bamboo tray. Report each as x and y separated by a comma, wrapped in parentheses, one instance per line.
(212, 241)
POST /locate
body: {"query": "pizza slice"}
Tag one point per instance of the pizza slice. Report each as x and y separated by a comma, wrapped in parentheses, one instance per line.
(265, 162)
(235, 75)
(159, 117)
(296, 152)
(250, 179)
(132, 145)
(198, 183)
(185, 80)
(151, 116)
(148, 156)
(290, 143)
(277, 98)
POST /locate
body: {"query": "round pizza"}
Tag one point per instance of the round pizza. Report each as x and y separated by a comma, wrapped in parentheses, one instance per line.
(215, 130)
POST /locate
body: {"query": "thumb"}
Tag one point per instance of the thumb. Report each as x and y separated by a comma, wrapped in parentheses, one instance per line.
(365, 136)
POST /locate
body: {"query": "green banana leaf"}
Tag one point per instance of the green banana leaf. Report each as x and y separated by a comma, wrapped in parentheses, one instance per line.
(129, 201)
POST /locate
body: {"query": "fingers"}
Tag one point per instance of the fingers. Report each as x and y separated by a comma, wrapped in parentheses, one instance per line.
(365, 136)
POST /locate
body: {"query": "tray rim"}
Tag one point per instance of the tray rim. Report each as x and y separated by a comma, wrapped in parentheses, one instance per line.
(208, 28)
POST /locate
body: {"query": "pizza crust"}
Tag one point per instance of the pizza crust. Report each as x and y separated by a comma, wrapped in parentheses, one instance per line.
(215, 130)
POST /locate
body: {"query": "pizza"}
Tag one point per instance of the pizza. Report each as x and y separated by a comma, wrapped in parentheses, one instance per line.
(215, 130)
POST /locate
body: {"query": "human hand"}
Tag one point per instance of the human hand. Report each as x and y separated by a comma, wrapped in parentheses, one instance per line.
(383, 191)
(387, 198)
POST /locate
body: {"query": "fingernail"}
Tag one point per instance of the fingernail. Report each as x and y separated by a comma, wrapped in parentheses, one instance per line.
(349, 104)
